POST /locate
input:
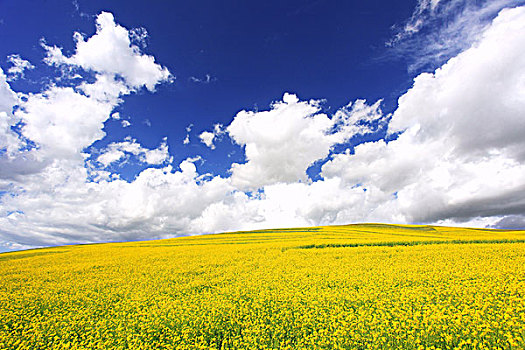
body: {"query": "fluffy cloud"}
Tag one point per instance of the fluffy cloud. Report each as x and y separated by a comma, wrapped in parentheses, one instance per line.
(118, 150)
(19, 65)
(282, 143)
(48, 196)
(208, 137)
(461, 151)
(16, 159)
(111, 52)
(63, 208)
(8, 97)
(8, 139)
(48, 120)
(62, 121)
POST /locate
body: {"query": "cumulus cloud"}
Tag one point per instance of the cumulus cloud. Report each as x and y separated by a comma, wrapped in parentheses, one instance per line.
(19, 65)
(460, 154)
(44, 175)
(62, 121)
(158, 203)
(49, 121)
(8, 97)
(282, 143)
(111, 52)
(13, 160)
(209, 137)
(116, 151)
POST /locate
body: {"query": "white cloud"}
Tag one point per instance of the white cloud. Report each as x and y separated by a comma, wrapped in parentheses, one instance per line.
(8, 97)
(47, 180)
(62, 121)
(282, 143)
(187, 138)
(158, 203)
(139, 37)
(111, 52)
(106, 88)
(19, 66)
(125, 123)
(110, 156)
(209, 137)
(156, 156)
(13, 160)
(461, 154)
(118, 150)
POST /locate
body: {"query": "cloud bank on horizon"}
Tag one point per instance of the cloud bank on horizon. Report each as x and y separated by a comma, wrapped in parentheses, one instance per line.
(454, 151)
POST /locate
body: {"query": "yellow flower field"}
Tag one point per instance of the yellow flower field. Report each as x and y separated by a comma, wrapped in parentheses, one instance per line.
(338, 287)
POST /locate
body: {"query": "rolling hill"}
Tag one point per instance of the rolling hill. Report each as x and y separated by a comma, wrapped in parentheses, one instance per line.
(366, 286)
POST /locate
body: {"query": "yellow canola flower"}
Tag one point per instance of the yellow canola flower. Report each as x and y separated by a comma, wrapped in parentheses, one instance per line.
(341, 287)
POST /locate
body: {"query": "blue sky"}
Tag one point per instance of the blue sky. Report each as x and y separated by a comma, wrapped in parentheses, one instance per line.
(159, 119)
(252, 53)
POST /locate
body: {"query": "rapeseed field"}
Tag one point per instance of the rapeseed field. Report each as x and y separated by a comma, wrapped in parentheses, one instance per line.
(340, 287)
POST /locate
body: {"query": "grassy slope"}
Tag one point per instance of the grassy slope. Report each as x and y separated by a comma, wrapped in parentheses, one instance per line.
(373, 286)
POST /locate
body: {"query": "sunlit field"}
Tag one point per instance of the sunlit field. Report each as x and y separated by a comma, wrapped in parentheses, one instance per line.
(340, 287)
